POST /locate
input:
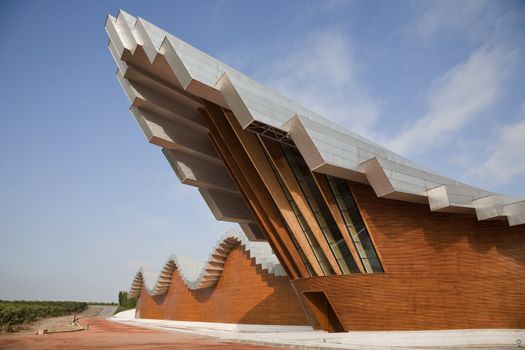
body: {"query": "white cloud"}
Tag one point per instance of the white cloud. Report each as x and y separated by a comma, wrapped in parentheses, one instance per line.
(437, 16)
(506, 158)
(455, 100)
(322, 74)
(476, 20)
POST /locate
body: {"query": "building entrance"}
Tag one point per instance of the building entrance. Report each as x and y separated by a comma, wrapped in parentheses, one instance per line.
(323, 311)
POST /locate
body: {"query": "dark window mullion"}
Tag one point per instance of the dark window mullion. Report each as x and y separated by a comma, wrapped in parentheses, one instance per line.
(354, 222)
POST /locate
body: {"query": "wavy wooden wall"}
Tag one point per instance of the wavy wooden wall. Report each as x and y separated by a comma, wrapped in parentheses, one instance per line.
(244, 294)
(443, 271)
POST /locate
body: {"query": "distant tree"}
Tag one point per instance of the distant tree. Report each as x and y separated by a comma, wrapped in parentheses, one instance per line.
(122, 298)
(124, 303)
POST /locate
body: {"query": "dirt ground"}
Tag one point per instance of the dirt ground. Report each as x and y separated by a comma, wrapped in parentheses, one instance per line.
(104, 334)
(57, 324)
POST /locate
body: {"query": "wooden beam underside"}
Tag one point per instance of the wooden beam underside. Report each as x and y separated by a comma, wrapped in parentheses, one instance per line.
(253, 189)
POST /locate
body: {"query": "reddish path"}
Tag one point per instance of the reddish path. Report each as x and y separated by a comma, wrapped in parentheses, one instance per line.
(104, 334)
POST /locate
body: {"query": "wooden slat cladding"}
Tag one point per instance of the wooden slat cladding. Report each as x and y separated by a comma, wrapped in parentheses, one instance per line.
(244, 294)
(300, 200)
(254, 188)
(445, 271)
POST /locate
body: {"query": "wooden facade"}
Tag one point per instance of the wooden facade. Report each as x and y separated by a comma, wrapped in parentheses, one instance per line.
(244, 294)
(442, 271)
(438, 270)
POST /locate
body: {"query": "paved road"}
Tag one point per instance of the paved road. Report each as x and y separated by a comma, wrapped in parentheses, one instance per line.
(107, 311)
(106, 334)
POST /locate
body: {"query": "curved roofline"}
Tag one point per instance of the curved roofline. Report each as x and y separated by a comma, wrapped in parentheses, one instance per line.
(212, 270)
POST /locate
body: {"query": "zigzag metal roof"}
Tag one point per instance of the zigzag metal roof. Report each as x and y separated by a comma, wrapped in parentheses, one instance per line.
(326, 147)
(196, 276)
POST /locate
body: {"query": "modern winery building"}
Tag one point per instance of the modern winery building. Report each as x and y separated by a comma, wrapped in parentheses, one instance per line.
(363, 238)
(242, 283)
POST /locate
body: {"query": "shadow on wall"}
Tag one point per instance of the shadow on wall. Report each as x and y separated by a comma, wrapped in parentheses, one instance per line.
(450, 236)
(202, 295)
(274, 313)
(244, 293)
(489, 240)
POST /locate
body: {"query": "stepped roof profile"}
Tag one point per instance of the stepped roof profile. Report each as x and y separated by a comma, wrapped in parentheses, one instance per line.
(196, 275)
(165, 80)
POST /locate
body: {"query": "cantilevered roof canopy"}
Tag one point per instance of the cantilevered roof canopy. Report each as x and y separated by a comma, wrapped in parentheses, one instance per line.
(164, 77)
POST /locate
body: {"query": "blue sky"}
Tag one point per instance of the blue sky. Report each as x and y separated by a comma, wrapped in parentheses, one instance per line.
(85, 201)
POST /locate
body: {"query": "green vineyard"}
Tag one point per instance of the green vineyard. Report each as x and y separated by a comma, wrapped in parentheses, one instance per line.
(14, 313)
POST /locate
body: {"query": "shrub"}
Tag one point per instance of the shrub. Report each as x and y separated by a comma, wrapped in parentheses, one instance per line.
(14, 313)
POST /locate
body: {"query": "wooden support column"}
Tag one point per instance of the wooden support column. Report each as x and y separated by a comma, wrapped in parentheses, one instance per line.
(298, 196)
(298, 232)
(249, 143)
(255, 206)
(254, 189)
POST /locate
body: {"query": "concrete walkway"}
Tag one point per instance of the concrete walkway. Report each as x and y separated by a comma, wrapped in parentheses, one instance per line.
(307, 338)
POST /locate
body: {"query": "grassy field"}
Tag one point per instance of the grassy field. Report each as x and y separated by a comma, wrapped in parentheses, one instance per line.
(14, 313)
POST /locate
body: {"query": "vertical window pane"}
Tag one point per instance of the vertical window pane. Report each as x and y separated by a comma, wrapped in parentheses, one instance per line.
(320, 209)
(355, 225)
(327, 268)
(304, 226)
(376, 265)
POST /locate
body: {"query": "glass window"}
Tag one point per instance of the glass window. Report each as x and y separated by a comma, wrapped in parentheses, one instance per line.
(375, 264)
(302, 221)
(326, 267)
(355, 225)
(337, 252)
(310, 269)
(319, 208)
(319, 254)
(340, 202)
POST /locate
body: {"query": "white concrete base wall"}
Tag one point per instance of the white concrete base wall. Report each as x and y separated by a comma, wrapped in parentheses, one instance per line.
(465, 337)
(125, 315)
(305, 336)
